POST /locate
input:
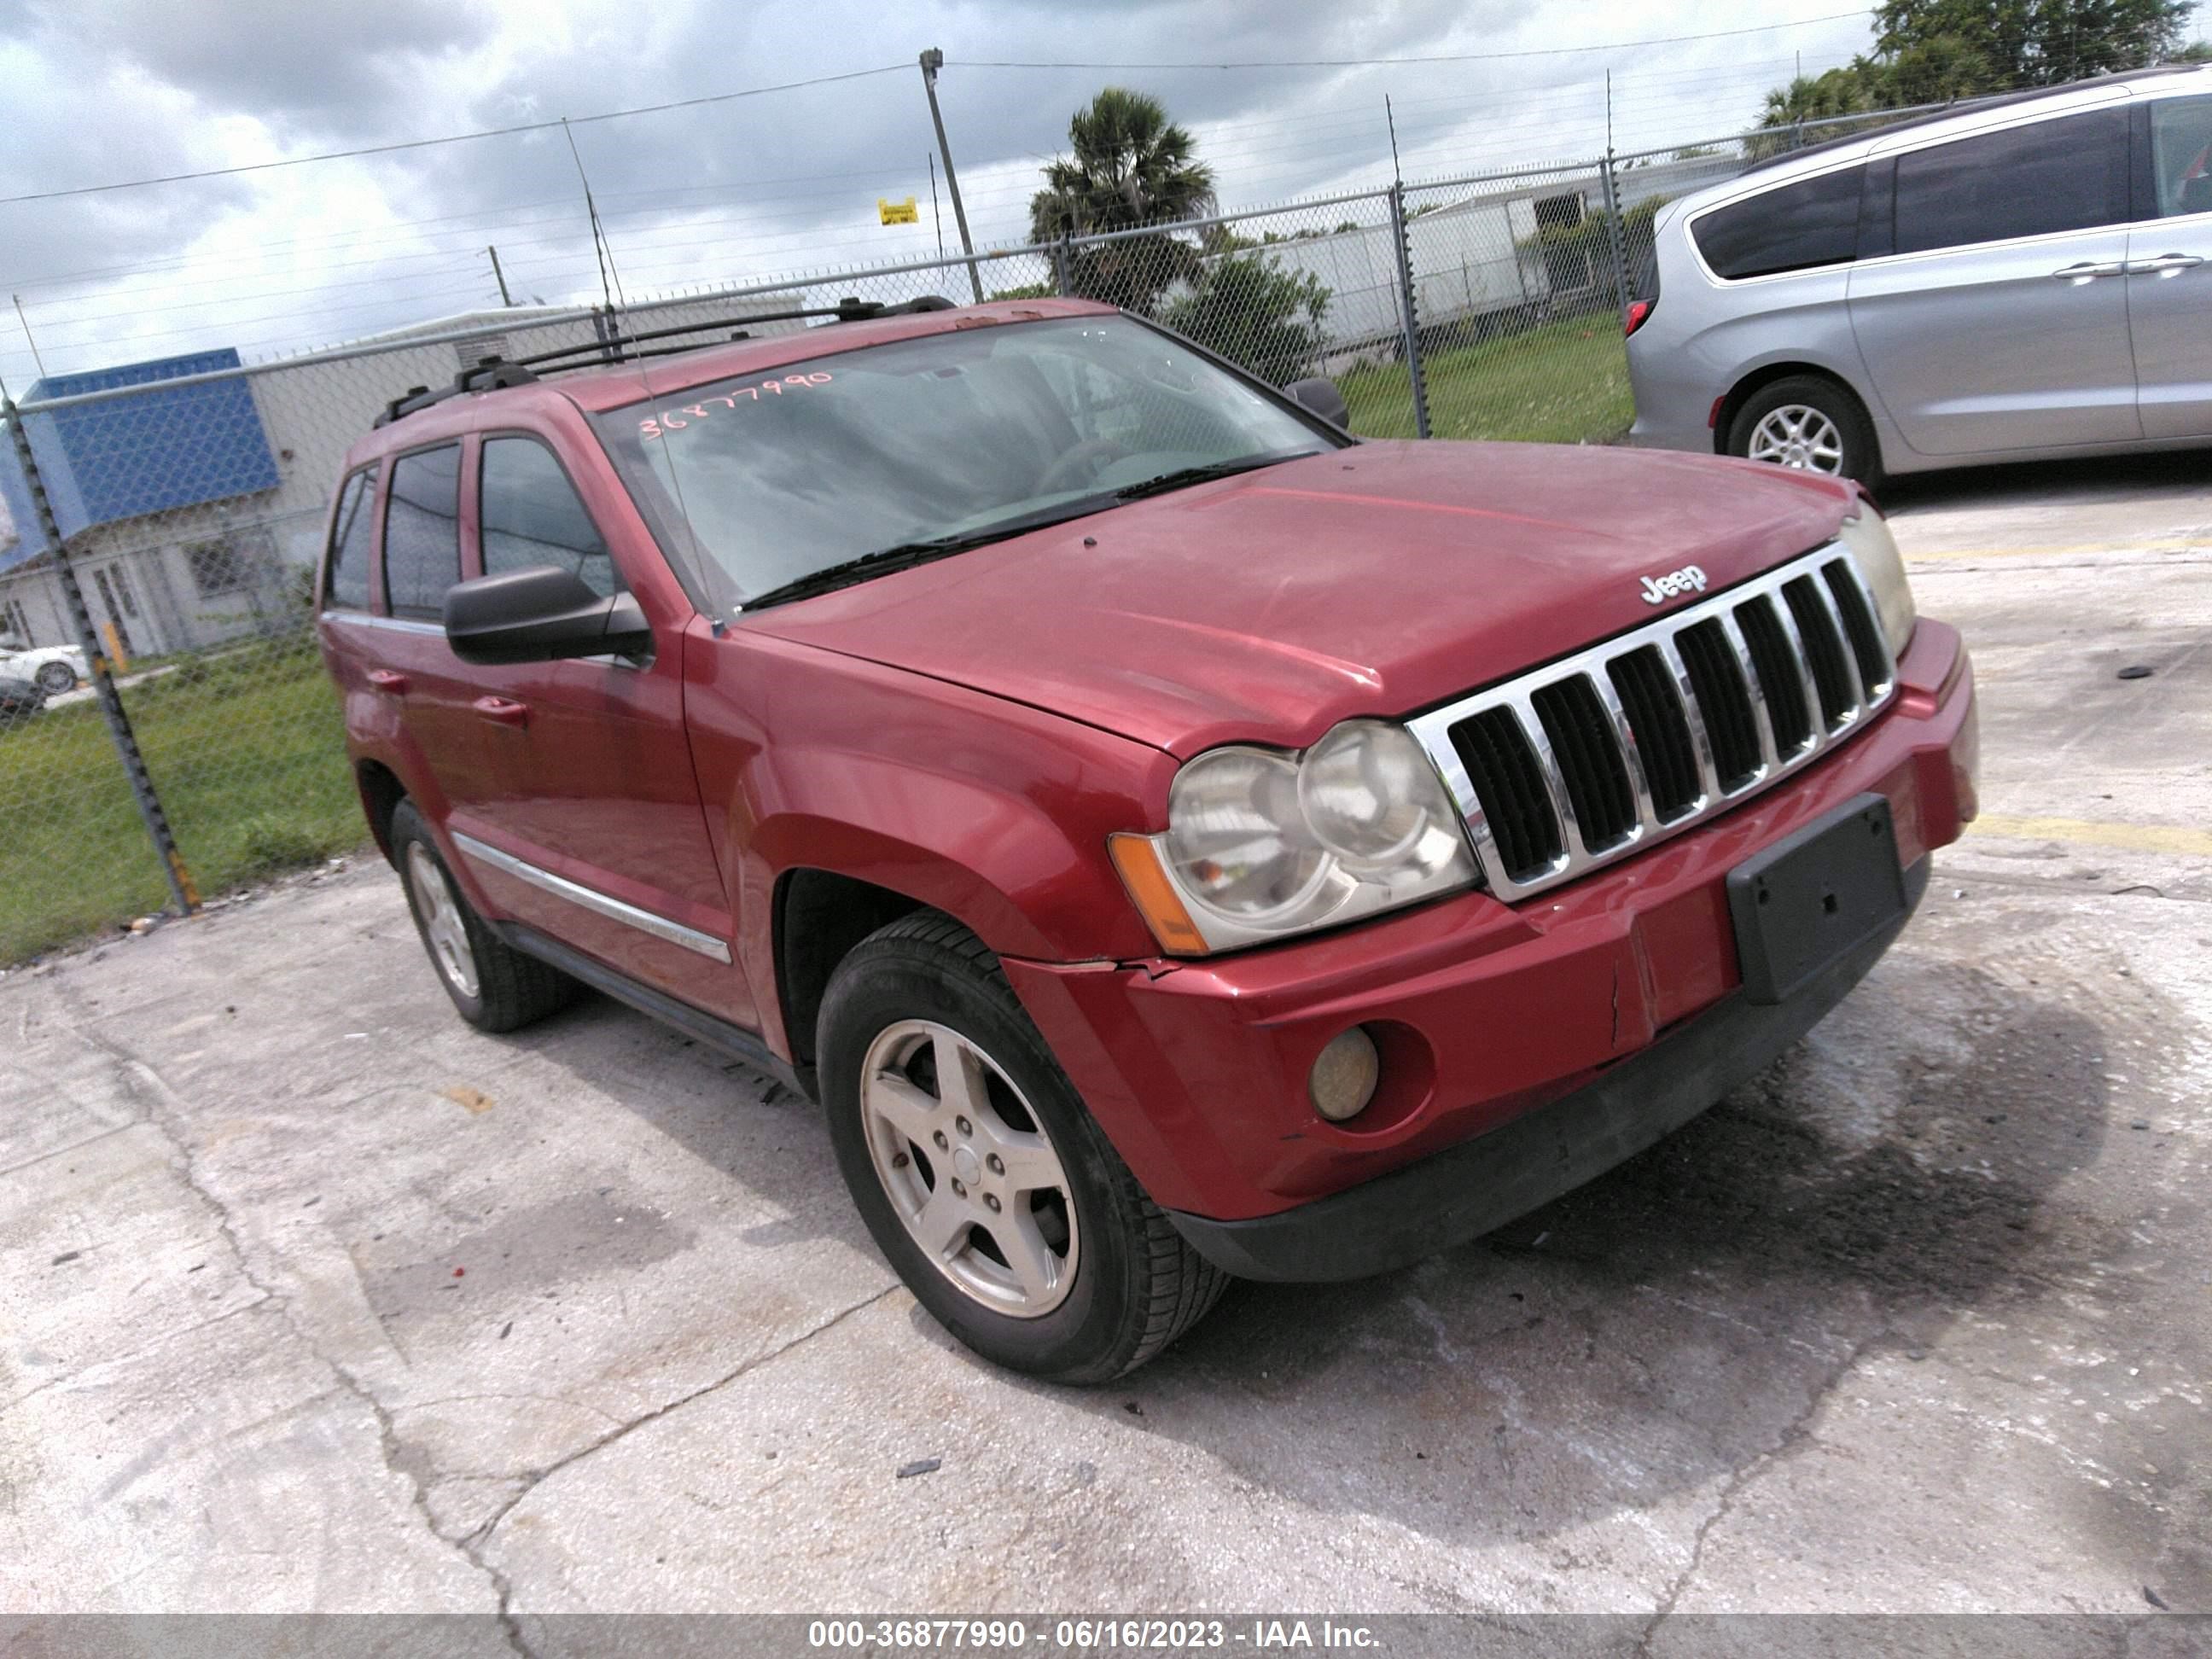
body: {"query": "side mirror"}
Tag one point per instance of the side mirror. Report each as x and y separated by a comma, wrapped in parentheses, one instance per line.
(540, 615)
(1320, 397)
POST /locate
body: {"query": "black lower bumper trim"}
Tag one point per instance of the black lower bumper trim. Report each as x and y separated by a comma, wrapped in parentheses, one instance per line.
(1479, 1185)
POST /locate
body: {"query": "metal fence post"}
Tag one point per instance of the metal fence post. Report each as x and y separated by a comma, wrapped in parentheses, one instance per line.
(1060, 266)
(1408, 309)
(103, 683)
(1613, 234)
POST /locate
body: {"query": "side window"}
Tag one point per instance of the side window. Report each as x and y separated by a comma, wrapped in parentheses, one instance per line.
(531, 515)
(346, 586)
(2049, 176)
(2181, 155)
(1812, 223)
(422, 532)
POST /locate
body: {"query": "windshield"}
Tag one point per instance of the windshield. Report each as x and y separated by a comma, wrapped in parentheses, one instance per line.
(769, 484)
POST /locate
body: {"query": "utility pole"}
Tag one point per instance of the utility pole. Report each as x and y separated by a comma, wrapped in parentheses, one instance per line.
(500, 276)
(932, 61)
(936, 213)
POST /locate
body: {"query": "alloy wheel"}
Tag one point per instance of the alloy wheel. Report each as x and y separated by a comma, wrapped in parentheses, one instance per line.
(969, 1168)
(444, 927)
(1798, 435)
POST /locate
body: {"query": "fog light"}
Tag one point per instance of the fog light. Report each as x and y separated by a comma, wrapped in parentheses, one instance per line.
(1344, 1075)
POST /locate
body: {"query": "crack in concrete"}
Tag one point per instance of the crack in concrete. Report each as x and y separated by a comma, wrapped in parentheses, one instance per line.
(535, 1478)
(1794, 1433)
(145, 1087)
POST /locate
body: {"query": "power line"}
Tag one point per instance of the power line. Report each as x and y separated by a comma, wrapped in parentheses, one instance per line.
(450, 139)
(1426, 58)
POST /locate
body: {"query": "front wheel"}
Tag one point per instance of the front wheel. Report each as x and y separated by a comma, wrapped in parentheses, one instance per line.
(982, 1178)
(1810, 424)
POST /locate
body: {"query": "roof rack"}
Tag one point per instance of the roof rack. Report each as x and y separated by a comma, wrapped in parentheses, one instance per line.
(493, 373)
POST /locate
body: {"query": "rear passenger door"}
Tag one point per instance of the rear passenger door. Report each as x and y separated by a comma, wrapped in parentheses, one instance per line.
(426, 687)
(2000, 320)
(2170, 270)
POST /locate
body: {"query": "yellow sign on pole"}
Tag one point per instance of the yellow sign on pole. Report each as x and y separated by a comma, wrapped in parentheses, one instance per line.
(898, 213)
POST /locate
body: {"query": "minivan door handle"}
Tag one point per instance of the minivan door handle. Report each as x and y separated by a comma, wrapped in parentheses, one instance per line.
(2166, 265)
(2088, 270)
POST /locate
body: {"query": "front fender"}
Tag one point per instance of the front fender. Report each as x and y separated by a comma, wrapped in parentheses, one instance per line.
(992, 811)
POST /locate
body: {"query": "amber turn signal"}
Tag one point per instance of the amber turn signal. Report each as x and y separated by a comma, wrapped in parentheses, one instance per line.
(1155, 897)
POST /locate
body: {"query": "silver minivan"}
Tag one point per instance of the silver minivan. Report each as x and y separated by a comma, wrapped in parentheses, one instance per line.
(2025, 279)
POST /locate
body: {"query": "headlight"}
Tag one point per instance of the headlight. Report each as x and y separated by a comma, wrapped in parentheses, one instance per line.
(1261, 844)
(1881, 567)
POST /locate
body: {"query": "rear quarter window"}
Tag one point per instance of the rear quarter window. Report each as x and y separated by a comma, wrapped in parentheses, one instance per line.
(1815, 222)
(345, 583)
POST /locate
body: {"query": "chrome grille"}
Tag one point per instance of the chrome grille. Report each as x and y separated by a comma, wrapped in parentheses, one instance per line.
(1586, 761)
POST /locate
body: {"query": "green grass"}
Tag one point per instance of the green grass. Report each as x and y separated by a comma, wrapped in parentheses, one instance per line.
(1564, 383)
(247, 752)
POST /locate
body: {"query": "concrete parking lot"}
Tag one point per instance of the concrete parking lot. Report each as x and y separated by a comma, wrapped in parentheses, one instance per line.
(311, 1298)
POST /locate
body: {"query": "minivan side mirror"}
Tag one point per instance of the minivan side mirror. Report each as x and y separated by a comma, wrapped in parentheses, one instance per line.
(1319, 397)
(539, 615)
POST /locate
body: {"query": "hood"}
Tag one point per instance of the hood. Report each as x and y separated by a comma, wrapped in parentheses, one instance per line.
(1378, 580)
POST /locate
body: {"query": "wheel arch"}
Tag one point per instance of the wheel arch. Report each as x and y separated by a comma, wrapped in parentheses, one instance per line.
(1758, 380)
(817, 916)
(381, 792)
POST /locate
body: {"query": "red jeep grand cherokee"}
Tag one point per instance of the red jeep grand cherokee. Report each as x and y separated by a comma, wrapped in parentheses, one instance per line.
(1172, 839)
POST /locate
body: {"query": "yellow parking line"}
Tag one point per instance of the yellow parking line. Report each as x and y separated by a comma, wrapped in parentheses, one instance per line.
(2063, 550)
(2135, 837)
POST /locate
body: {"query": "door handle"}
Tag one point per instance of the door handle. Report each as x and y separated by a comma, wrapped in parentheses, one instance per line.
(2166, 265)
(2088, 270)
(390, 683)
(505, 710)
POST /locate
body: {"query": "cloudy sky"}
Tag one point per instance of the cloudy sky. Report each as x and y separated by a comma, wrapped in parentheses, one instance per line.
(99, 92)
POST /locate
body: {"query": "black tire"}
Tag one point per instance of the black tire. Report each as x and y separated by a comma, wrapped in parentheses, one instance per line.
(1137, 1286)
(1861, 456)
(56, 677)
(512, 990)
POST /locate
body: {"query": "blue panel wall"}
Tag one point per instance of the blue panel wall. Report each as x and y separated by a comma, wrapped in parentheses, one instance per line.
(123, 458)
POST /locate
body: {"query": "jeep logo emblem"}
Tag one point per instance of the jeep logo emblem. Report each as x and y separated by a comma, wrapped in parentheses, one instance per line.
(1657, 590)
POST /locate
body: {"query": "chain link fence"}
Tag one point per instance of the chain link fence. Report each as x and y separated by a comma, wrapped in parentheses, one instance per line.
(166, 731)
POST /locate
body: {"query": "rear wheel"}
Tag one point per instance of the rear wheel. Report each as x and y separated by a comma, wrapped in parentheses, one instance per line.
(56, 677)
(982, 1178)
(495, 986)
(1808, 423)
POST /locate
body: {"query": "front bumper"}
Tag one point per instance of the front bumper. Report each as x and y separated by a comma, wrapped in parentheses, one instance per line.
(1485, 1012)
(1481, 1184)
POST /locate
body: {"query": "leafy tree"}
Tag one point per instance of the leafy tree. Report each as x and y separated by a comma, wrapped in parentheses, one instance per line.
(1929, 52)
(1130, 167)
(1255, 313)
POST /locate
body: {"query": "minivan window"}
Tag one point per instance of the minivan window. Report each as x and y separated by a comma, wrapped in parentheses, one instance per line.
(422, 532)
(346, 586)
(531, 516)
(2066, 174)
(2181, 155)
(1815, 222)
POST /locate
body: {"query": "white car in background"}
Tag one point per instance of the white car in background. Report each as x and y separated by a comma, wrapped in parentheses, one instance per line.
(57, 668)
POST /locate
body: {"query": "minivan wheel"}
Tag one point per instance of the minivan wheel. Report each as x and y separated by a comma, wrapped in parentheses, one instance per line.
(983, 1180)
(495, 986)
(1810, 424)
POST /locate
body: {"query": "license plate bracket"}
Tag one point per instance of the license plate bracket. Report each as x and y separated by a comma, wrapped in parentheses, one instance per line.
(1814, 896)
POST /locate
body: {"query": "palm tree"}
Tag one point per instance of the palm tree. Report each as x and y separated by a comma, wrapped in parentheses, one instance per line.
(1131, 166)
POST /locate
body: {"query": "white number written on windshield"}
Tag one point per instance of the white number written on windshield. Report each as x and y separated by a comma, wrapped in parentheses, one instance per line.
(677, 420)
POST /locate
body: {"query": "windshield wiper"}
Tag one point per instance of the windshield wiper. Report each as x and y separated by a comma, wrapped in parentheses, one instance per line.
(905, 555)
(1183, 477)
